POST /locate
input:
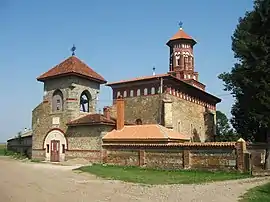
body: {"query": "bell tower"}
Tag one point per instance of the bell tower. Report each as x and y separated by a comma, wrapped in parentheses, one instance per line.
(181, 59)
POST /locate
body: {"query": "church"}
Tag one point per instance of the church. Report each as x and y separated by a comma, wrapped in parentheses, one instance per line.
(168, 108)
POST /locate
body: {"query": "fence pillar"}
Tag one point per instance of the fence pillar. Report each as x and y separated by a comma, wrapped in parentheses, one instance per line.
(240, 154)
(141, 158)
(104, 155)
(186, 159)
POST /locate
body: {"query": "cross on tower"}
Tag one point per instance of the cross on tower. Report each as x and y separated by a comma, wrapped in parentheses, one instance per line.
(180, 25)
(73, 50)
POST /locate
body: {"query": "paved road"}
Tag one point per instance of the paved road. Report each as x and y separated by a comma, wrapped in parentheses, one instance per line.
(36, 182)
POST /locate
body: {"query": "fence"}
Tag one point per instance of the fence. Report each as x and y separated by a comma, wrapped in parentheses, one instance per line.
(210, 155)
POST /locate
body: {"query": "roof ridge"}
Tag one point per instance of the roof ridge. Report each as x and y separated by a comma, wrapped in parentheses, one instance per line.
(163, 131)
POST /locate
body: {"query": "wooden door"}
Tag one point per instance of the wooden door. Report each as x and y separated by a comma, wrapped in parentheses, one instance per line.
(55, 147)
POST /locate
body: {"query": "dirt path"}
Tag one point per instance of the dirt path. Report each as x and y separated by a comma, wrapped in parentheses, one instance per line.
(36, 182)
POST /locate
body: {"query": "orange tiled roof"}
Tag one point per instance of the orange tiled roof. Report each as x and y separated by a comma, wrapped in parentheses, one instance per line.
(92, 119)
(144, 132)
(184, 144)
(72, 66)
(138, 79)
(181, 35)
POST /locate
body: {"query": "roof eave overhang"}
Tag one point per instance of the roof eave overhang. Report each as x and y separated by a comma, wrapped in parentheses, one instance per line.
(90, 124)
(42, 79)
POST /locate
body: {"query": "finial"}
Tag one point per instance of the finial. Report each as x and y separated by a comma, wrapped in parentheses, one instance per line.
(180, 25)
(154, 73)
(73, 50)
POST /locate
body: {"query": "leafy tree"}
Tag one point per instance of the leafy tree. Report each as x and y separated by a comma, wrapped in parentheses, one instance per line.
(249, 79)
(224, 132)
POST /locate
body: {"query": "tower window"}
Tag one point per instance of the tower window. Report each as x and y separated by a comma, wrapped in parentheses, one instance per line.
(131, 93)
(153, 90)
(85, 101)
(138, 92)
(57, 101)
(145, 92)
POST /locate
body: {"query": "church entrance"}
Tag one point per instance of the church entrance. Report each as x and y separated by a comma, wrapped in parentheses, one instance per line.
(55, 147)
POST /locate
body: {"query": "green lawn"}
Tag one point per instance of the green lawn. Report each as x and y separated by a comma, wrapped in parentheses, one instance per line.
(153, 176)
(257, 194)
(2, 149)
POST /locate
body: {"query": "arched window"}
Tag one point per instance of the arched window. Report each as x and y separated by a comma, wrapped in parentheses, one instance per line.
(85, 101)
(145, 92)
(131, 94)
(138, 92)
(153, 90)
(125, 93)
(57, 101)
(138, 122)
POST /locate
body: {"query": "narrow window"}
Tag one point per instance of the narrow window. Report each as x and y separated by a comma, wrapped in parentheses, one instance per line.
(47, 148)
(57, 101)
(118, 94)
(179, 126)
(125, 93)
(85, 101)
(153, 90)
(145, 92)
(63, 148)
(138, 92)
(131, 93)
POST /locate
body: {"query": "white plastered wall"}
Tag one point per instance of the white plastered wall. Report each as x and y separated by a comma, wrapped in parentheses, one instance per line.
(55, 135)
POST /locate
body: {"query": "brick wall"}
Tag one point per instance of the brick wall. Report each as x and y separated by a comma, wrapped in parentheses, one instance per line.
(217, 156)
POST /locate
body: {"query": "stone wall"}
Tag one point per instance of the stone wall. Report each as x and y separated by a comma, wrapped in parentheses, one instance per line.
(185, 116)
(44, 119)
(216, 156)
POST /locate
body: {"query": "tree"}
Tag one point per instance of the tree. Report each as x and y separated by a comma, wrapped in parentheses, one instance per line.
(224, 132)
(249, 79)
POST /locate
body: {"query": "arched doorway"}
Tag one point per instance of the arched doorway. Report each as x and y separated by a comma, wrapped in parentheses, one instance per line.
(55, 145)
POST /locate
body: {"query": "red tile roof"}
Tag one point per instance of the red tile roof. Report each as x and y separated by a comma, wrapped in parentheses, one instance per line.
(92, 119)
(180, 144)
(72, 66)
(181, 35)
(138, 79)
(144, 132)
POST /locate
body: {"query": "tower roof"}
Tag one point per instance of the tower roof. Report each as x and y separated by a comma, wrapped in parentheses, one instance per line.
(72, 66)
(181, 35)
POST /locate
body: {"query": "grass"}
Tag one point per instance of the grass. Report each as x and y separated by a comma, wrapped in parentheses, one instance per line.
(257, 194)
(155, 176)
(2, 149)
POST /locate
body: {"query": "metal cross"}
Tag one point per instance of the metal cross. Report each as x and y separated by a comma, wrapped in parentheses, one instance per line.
(180, 24)
(73, 50)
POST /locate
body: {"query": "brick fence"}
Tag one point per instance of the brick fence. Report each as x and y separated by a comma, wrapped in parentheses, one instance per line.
(209, 155)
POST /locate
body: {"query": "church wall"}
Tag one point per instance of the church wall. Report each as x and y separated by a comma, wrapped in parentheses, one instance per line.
(85, 142)
(192, 119)
(44, 119)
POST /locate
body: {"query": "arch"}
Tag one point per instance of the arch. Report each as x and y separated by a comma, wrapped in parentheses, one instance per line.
(138, 122)
(85, 98)
(55, 143)
(57, 101)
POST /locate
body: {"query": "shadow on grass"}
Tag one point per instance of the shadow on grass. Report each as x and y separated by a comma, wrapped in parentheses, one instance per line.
(158, 176)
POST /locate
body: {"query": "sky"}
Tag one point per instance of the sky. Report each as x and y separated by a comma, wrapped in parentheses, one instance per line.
(119, 39)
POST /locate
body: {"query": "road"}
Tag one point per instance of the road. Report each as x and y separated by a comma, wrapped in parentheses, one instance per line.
(38, 182)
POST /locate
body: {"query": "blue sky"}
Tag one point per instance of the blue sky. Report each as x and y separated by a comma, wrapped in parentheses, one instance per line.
(119, 39)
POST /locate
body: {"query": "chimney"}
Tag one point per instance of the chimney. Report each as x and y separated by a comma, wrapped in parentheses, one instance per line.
(106, 112)
(120, 121)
